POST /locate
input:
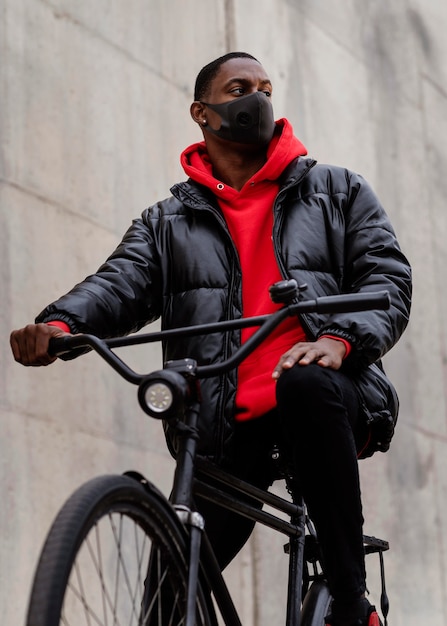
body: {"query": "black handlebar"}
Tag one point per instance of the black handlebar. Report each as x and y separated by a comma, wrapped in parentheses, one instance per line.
(267, 323)
(353, 302)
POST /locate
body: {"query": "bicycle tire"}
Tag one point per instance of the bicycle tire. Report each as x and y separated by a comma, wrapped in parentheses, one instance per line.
(316, 604)
(115, 555)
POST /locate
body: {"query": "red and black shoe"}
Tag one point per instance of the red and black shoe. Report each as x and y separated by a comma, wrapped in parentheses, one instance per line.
(362, 613)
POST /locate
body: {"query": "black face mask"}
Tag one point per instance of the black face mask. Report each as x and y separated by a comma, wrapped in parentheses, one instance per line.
(248, 119)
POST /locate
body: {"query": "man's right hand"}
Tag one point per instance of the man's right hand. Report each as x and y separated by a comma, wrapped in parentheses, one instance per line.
(29, 345)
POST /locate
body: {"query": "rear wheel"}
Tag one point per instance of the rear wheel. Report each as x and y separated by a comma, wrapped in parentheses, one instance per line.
(115, 555)
(316, 604)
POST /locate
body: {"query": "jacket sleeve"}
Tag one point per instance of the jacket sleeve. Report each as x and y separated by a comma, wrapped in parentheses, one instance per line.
(122, 296)
(373, 261)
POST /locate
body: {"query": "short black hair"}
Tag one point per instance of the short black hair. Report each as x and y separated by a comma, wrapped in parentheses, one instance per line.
(207, 74)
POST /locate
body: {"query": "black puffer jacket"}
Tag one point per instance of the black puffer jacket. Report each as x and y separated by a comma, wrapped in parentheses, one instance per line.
(178, 262)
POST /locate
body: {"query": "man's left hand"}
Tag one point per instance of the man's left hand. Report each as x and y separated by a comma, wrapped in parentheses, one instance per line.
(325, 352)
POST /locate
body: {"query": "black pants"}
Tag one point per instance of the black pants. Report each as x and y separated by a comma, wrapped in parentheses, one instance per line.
(316, 425)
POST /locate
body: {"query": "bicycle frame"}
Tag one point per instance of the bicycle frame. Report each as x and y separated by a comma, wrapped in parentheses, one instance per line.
(191, 473)
(294, 530)
(189, 480)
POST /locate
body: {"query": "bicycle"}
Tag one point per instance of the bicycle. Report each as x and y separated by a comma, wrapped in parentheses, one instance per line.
(119, 552)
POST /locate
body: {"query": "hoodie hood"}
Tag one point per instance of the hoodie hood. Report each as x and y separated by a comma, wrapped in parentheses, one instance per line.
(283, 149)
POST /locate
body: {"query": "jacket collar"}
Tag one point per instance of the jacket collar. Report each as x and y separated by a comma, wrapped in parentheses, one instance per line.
(198, 196)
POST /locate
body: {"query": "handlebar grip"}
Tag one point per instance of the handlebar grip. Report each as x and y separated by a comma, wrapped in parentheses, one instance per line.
(379, 300)
(61, 345)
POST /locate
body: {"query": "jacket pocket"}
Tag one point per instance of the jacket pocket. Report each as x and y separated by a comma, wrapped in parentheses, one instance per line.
(379, 408)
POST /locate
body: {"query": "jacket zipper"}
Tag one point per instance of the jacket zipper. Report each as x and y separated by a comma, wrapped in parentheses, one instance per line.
(220, 409)
(277, 226)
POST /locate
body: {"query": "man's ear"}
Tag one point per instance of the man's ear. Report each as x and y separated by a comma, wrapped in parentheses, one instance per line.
(197, 111)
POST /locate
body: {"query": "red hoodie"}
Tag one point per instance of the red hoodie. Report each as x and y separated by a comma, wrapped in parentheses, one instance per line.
(249, 217)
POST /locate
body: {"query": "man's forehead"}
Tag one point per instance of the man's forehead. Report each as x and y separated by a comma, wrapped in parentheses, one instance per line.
(241, 67)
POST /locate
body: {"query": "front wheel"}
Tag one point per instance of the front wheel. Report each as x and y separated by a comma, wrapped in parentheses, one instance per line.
(316, 604)
(115, 555)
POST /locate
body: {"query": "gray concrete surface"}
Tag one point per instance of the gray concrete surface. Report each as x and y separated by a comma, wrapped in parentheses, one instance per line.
(94, 100)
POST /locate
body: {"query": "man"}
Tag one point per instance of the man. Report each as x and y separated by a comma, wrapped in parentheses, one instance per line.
(253, 211)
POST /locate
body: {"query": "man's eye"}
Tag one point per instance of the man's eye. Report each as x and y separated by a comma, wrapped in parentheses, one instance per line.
(238, 90)
(267, 92)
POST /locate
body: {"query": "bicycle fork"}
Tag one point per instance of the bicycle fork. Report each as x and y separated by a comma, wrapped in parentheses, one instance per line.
(194, 521)
(182, 501)
(182, 498)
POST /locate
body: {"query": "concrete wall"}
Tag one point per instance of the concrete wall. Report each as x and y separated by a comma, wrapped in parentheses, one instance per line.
(94, 100)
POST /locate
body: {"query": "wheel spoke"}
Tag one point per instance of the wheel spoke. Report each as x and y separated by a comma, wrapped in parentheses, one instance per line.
(119, 593)
(125, 559)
